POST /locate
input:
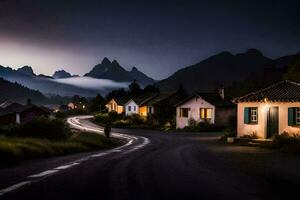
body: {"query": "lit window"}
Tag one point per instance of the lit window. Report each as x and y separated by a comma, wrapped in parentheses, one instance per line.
(253, 115)
(184, 112)
(297, 115)
(205, 113)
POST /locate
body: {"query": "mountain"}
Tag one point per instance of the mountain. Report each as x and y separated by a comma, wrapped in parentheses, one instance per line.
(114, 71)
(61, 74)
(26, 70)
(45, 84)
(16, 92)
(221, 69)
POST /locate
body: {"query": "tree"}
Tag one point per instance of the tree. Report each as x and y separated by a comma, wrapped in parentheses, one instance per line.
(97, 104)
(116, 93)
(151, 89)
(293, 72)
(182, 92)
(134, 88)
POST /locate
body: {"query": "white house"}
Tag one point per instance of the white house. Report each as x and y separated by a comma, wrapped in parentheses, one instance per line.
(273, 110)
(204, 107)
(138, 105)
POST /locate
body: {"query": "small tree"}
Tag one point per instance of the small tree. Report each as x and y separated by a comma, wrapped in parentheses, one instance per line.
(134, 88)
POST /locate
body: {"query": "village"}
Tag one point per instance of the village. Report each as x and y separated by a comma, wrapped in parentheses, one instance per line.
(260, 115)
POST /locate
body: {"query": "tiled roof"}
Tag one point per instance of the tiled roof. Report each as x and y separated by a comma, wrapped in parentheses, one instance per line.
(161, 97)
(144, 98)
(284, 91)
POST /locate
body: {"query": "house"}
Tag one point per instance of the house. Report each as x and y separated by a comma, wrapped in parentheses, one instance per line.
(71, 106)
(18, 113)
(138, 105)
(210, 107)
(272, 110)
(116, 104)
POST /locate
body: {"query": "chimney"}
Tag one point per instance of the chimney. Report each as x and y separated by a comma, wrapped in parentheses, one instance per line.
(222, 92)
(28, 101)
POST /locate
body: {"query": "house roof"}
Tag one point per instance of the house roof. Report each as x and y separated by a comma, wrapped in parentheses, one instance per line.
(159, 98)
(211, 97)
(122, 100)
(143, 99)
(284, 91)
(18, 108)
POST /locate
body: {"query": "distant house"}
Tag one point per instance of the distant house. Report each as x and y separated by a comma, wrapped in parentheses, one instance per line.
(117, 104)
(18, 113)
(204, 107)
(272, 110)
(138, 105)
(71, 106)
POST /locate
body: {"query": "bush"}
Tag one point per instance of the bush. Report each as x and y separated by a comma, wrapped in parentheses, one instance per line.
(104, 118)
(287, 142)
(250, 136)
(203, 126)
(121, 124)
(40, 128)
(135, 119)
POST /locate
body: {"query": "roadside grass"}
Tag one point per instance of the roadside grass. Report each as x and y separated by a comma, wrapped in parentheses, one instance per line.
(15, 149)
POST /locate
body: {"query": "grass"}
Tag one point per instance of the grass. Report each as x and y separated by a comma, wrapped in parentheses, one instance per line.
(15, 149)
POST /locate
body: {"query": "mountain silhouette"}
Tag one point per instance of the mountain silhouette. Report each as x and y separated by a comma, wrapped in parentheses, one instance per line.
(62, 74)
(221, 69)
(114, 71)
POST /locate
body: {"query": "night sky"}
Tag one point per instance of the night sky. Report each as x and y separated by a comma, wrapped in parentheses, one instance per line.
(158, 38)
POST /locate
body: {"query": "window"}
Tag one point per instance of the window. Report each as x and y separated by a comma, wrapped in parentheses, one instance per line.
(150, 109)
(205, 113)
(251, 115)
(184, 112)
(297, 117)
(129, 108)
(134, 109)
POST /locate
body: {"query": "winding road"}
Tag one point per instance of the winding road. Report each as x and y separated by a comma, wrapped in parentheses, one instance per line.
(156, 165)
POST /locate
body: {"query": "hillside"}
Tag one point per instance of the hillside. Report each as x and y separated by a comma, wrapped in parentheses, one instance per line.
(221, 69)
(19, 93)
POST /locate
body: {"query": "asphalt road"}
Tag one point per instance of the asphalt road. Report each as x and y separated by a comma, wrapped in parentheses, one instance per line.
(166, 166)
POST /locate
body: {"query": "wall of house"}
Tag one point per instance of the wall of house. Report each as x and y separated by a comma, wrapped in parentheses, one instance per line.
(194, 104)
(143, 111)
(113, 106)
(261, 127)
(132, 104)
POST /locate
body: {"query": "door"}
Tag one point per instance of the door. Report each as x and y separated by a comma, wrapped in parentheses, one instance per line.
(272, 121)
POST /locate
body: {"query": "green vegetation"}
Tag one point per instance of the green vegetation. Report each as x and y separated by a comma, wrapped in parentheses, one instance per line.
(44, 138)
(132, 121)
(40, 128)
(14, 149)
(202, 127)
(286, 143)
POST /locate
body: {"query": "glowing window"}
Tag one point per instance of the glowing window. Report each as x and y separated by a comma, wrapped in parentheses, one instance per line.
(205, 113)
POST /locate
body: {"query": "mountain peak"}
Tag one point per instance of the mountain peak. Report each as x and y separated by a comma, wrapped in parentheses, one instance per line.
(105, 61)
(114, 62)
(253, 51)
(61, 74)
(26, 70)
(134, 69)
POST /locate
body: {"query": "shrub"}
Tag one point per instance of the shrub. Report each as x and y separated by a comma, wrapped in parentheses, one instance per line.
(135, 119)
(203, 126)
(250, 136)
(192, 122)
(104, 118)
(42, 128)
(121, 124)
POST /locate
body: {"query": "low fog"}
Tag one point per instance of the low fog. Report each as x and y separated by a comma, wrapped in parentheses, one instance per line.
(92, 83)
